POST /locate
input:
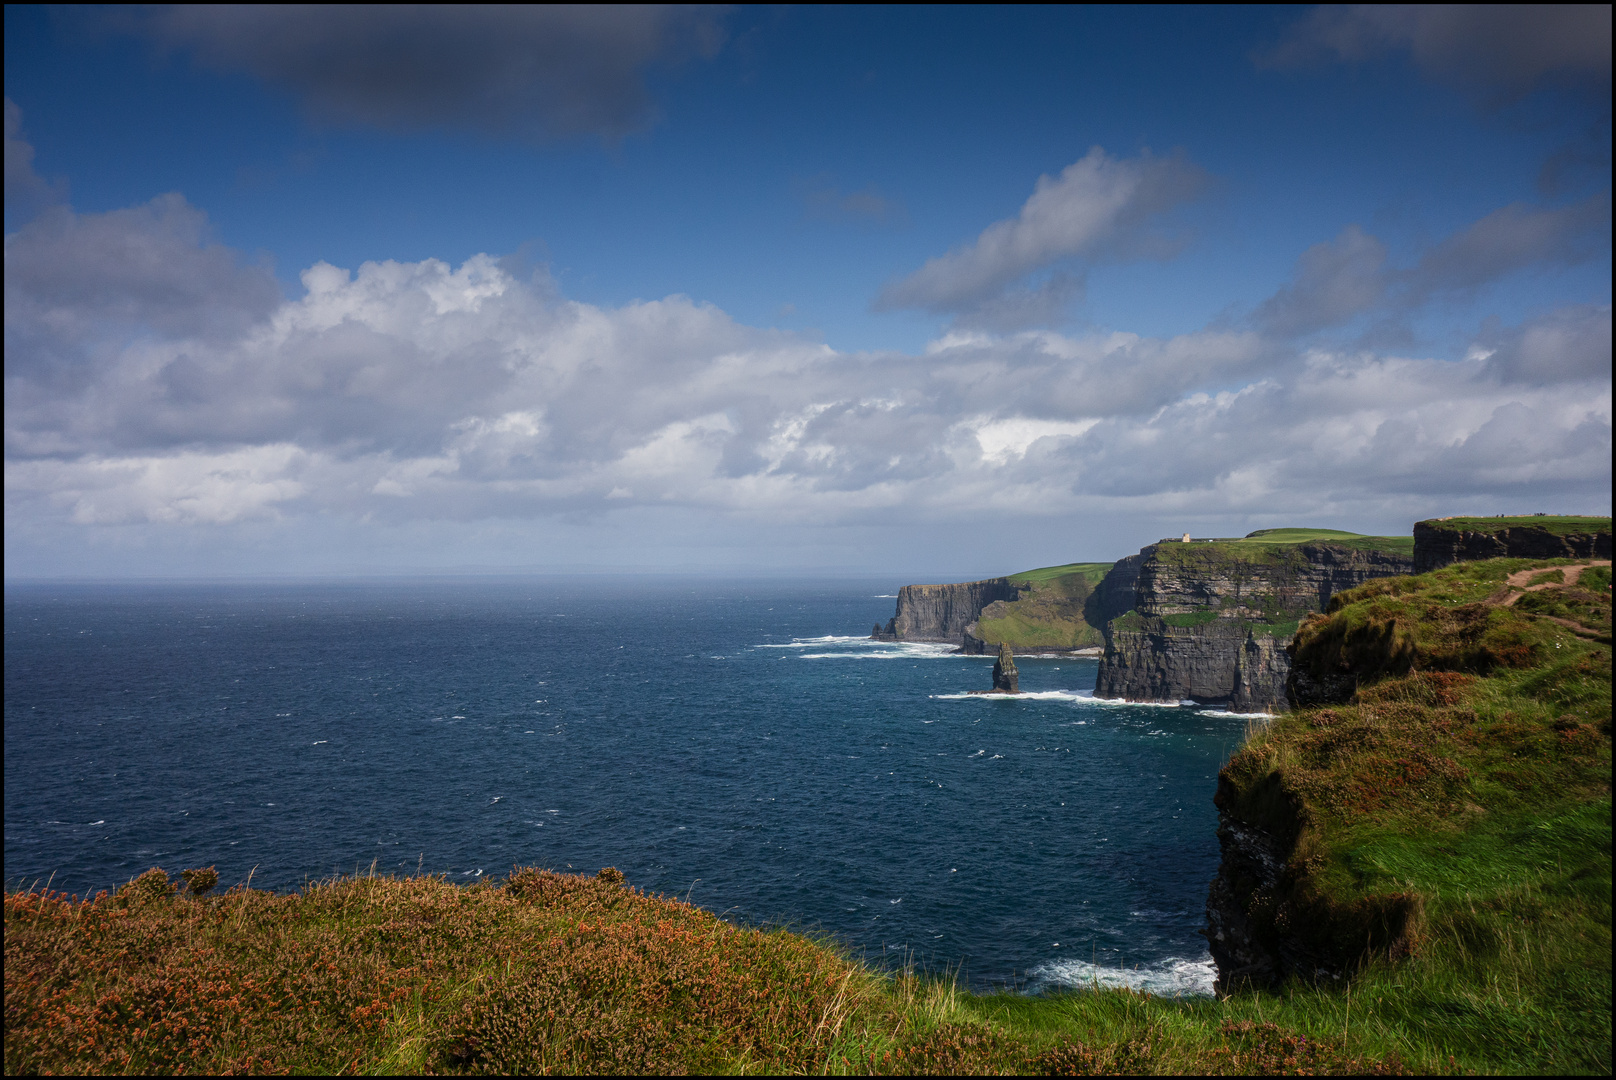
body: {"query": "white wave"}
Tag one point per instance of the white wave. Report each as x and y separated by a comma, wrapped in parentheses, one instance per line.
(1027, 695)
(886, 596)
(1173, 977)
(1240, 715)
(809, 643)
(1088, 695)
(888, 650)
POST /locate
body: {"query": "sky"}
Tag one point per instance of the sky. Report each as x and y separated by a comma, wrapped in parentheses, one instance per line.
(945, 292)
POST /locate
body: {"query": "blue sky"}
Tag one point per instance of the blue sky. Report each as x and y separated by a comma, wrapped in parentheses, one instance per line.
(900, 290)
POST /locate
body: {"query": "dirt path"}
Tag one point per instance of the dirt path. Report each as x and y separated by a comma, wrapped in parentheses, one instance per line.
(1515, 587)
(1519, 580)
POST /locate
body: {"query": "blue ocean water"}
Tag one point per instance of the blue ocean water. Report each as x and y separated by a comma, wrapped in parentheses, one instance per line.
(739, 744)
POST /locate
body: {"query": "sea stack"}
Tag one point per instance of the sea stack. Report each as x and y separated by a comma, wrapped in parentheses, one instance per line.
(1004, 671)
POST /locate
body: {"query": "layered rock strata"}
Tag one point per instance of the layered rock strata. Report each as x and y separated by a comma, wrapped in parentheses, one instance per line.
(1210, 620)
(942, 612)
(1438, 544)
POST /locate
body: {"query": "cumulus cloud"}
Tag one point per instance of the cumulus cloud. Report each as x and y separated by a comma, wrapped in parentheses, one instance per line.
(1500, 51)
(155, 379)
(1097, 206)
(532, 71)
(420, 391)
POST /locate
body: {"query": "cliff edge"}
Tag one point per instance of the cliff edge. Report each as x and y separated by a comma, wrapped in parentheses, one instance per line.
(1443, 541)
(1449, 799)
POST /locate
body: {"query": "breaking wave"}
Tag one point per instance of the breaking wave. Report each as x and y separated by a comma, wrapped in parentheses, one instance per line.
(1172, 977)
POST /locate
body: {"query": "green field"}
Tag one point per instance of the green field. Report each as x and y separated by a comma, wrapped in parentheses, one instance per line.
(1401, 544)
(1091, 572)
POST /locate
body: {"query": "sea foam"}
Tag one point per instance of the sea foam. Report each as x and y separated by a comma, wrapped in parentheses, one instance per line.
(1172, 977)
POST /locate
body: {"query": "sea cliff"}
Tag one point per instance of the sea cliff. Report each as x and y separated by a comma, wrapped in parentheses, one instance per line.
(1210, 619)
(943, 612)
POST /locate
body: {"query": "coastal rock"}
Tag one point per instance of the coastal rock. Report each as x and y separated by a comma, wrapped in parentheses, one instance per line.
(1210, 621)
(1005, 676)
(1438, 544)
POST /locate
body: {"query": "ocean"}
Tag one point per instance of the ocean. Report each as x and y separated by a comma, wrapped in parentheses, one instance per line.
(739, 744)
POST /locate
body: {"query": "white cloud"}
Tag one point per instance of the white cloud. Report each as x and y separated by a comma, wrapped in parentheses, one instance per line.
(1098, 204)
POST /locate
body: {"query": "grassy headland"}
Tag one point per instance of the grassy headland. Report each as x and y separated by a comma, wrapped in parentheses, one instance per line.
(1447, 829)
(1050, 613)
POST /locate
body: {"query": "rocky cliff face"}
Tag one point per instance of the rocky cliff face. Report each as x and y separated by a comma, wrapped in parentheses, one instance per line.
(1437, 543)
(1248, 877)
(1210, 620)
(1115, 594)
(943, 612)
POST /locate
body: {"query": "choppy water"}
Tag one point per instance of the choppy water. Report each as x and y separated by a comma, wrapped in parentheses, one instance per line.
(734, 743)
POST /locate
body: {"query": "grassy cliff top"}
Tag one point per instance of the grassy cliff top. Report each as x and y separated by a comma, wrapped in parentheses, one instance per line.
(1269, 544)
(1448, 822)
(1091, 571)
(1558, 524)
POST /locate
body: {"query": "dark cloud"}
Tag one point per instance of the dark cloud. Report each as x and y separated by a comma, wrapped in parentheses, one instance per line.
(1333, 282)
(26, 191)
(1338, 281)
(824, 200)
(1569, 345)
(534, 71)
(1510, 239)
(1499, 51)
(1099, 207)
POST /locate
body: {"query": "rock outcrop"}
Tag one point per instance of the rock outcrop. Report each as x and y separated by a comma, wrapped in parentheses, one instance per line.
(1248, 877)
(1006, 680)
(1442, 541)
(943, 612)
(1210, 620)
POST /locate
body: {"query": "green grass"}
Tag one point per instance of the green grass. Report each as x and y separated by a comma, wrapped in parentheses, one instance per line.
(1559, 525)
(1050, 613)
(1092, 572)
(1403, 545)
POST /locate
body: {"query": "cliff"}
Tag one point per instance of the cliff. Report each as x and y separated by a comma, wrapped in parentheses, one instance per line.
(943, 612)
(1444, 541)
(1451, 801)
(1055, 608)
(1210, 619)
